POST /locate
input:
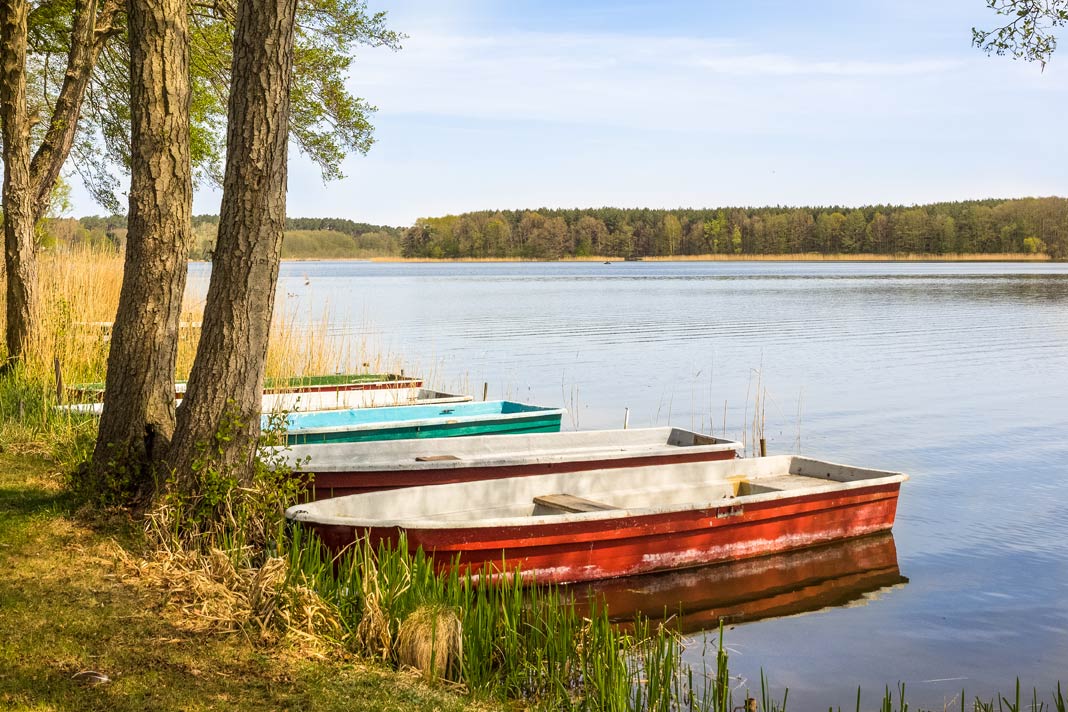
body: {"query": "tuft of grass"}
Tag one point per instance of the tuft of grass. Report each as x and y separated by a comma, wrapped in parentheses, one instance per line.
(430, 640)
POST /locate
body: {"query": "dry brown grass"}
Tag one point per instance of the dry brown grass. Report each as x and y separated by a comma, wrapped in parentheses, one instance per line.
(430, 640)
(312, 346)
(209, 593)
(79, 292)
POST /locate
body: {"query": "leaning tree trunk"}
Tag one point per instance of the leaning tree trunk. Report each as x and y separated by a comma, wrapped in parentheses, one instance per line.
(138, 418)
(34, 180)
(19, 258)
(221, 408)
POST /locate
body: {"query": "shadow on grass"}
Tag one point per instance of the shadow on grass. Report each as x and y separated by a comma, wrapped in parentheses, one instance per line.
(22, 505)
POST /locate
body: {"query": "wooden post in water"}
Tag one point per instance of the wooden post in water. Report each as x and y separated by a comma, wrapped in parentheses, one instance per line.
(626, 418)
(485, 389)
(59, 380)
(763, 447)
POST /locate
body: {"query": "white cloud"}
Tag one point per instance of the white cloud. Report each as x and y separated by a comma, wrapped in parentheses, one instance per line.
(663, 83)
(783, 65)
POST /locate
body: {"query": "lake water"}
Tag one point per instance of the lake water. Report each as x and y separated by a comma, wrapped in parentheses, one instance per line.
(956, 374)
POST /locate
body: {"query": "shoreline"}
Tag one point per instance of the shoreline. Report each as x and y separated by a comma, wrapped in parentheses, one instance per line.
(799, 257)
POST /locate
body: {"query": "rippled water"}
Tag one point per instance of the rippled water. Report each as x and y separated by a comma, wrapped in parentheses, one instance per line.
(954, 373)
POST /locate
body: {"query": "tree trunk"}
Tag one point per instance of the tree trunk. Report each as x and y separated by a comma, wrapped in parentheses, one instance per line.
(223, 397)
(19, 258)
(138, 417)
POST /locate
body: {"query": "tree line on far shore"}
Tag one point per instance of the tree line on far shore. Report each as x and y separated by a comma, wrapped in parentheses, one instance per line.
(305, 238)
(1027, 225)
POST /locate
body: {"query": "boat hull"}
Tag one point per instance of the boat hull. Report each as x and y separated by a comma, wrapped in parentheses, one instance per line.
(416, 422)
(338, 399)
(338, 484)
(309, 386)
(590, 549)
(346, 469)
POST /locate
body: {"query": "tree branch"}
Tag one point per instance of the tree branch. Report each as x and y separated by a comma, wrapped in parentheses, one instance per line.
(91, 29)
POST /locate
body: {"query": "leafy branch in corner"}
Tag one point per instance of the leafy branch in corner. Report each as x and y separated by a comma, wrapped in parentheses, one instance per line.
(1029, 32)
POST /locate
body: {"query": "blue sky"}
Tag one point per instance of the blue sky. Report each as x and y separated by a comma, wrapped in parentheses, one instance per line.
(682, 103)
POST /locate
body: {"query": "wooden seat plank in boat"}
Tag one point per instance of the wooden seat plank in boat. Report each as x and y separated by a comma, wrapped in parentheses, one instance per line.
(569, 503)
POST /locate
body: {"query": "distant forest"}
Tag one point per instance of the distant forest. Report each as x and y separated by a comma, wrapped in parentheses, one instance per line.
(1029, 225)
(1026, 225)
(305, 238)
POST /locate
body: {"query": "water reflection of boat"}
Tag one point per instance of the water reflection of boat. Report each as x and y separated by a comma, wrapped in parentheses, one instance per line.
(847, 572)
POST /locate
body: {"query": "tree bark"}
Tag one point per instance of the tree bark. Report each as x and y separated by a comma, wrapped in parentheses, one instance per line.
(223, 397)
(138, 417)
(19, 258)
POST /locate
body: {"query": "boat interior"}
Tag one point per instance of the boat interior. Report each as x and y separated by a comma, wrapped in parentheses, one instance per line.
(596, 493)
(492, 449)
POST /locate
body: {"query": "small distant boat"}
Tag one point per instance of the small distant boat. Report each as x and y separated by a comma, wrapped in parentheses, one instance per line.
(584, 526)
(357, 398)
(322, 384)
(786, 584)
(329, 400)
(350, 468)
(420, 421)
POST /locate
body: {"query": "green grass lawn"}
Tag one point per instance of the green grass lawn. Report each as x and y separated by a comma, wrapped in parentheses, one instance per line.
(66, 607)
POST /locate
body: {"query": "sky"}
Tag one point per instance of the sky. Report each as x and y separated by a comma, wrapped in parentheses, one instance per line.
(683, 103)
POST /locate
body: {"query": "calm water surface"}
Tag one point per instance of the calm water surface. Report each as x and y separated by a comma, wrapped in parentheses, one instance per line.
(954, 373)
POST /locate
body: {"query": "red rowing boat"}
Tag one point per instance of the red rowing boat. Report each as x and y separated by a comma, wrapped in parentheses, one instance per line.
(350, 468)
(598, 524)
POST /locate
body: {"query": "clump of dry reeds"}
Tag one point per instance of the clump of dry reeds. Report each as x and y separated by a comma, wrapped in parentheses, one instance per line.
(211, 592)
(214, 581)
(430, 639)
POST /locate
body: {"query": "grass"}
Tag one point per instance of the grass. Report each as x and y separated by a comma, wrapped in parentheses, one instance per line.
(69, 605)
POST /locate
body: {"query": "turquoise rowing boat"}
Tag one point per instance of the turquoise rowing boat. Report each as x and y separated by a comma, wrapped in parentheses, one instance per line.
(429, 421)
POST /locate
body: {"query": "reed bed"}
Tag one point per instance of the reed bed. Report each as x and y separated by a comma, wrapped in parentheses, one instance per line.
(79, 295)
(504, 639)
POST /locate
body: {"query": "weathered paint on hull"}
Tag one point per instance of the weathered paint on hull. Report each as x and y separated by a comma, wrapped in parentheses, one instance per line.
(534, 424)
(573, 551)
(337, 484)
